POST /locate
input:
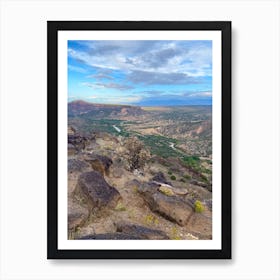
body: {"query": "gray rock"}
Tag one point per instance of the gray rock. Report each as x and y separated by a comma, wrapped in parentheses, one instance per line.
(173, 208)
(98, 193)
(143, 232)
(159, 177)
(99, 163)
(77, 165)
(71, 149)
(79, 140)
(77, 215)
(110, 236)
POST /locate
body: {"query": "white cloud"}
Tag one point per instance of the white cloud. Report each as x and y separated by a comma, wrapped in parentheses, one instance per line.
(77, 69)
(116, 99)
(156, 56)
(201, 94)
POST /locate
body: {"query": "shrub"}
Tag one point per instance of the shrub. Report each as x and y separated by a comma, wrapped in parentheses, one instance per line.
(137, 155)
(173, 177)
(198, 207)
(175, 234)
(135, 189)
(166, 191)
(120, 207)
(182, 180)
(187, 176)
(170, 172)
(204, 178)
(150, 220)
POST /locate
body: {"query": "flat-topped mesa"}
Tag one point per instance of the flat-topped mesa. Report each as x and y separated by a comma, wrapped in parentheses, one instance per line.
(80, 107)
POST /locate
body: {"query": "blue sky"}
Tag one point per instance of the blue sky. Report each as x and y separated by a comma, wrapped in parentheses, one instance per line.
(146, 73)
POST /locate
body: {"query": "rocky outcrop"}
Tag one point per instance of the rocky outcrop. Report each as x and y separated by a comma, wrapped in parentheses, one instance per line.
(79, 141)
(71, 149)
(117, 172)
(98, 193)
(110, 236)
(199, 225)
(99, 163)
(140, 231)
(159, 177)
(77, 215)
(76, 165)
(173, 208)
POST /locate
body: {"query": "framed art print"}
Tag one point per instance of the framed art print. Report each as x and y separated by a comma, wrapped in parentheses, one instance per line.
(139, 140)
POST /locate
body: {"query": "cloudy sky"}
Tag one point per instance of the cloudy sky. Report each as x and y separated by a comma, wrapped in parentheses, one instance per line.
(147, 73)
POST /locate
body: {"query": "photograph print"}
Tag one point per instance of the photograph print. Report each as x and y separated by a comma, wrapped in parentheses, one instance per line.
(140, 115)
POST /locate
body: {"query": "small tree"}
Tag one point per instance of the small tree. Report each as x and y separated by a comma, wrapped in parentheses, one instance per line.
(136, 155)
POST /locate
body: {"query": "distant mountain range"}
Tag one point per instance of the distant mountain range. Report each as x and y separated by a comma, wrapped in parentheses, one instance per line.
(80, 107)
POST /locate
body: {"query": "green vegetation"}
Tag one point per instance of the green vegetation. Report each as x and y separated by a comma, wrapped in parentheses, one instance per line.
(172, 177)
(174, 235)
(166, 191)
(191, 161)
(204, 178)
(194, 163)
(120, 207)
(187, 176)
(198, 207)
(170, 172)
(160, 145)
(151, 220)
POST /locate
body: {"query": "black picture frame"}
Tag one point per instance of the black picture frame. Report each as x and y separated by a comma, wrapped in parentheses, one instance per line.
(53, 27)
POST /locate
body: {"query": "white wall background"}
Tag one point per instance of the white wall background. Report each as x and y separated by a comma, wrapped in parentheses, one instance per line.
(255, 139)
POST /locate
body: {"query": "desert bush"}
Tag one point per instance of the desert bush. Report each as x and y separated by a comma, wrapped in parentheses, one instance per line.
(150, 220)
(174, 235)
(166, 191)
(120, 207)
(198, 207)
(204, 178)
(136, 155)
(173, 177)
(187, 176)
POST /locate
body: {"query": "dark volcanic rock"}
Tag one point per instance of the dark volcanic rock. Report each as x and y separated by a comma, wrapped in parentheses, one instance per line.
(71, 150)
(79, 141)
(97, 191)
(111, 236)
(99, 163)
(117, 172)
(159, 177)
(173, 208)
(135, 184)
(77, 165)
(143, 232)
(77, 215)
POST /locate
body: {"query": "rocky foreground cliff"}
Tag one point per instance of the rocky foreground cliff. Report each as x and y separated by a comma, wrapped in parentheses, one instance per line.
(117, 189)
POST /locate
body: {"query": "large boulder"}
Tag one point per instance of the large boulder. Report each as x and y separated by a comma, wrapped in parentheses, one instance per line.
(117, 172)
(143, 232)
(76, 165)
(99, 163)
(200, 225)
(98, 193)
(79, 141)
(173, 208)
(77, 215)
(110, 236)
(160, 178)
(71, 149)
